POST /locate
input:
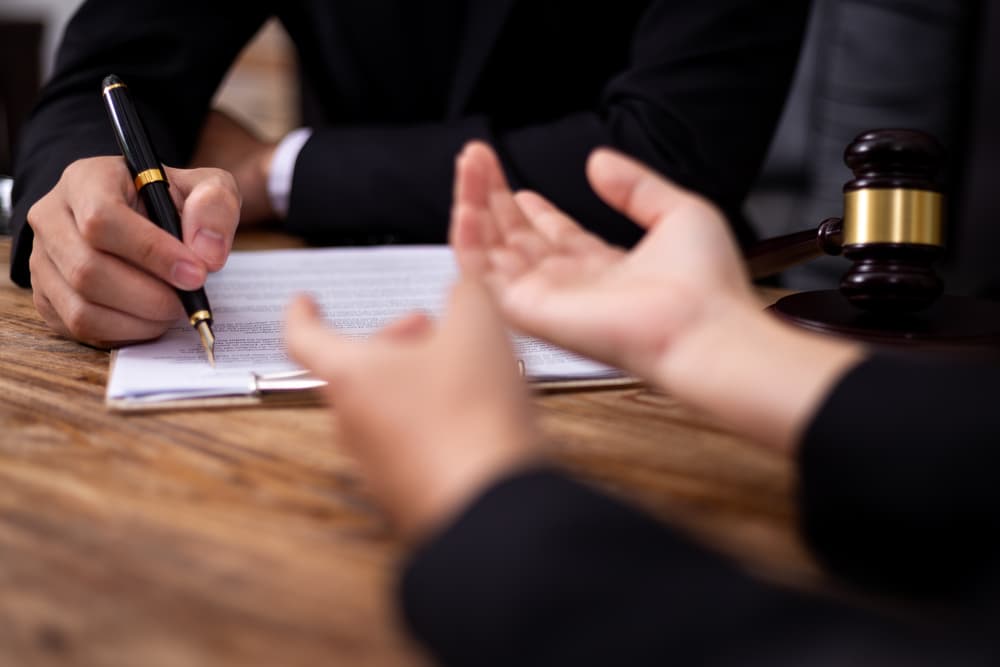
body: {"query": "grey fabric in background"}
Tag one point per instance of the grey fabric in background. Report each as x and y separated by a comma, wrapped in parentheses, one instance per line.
(6, 185)
(866, 64)
(975, 234)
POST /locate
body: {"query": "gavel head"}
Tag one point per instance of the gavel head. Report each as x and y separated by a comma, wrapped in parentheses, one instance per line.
(892, 226)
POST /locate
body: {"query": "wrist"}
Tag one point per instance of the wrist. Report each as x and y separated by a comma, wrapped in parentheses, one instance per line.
(437, 489)
(707, 348)
(252, 178)
(762, 377)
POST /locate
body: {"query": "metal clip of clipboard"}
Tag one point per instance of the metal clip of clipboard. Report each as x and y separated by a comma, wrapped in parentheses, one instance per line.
(279, 383)
(289, 381)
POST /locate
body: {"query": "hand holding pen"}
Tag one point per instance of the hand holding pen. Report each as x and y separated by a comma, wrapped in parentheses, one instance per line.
(101, 272)
(151, 183)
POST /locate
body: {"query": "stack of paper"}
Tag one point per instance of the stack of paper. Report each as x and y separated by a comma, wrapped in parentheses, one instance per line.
(359, 289)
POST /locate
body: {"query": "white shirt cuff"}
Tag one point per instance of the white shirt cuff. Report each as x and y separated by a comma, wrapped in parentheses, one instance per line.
(279, 177)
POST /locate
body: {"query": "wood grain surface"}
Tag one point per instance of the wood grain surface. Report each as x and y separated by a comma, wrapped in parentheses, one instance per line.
(247, 537)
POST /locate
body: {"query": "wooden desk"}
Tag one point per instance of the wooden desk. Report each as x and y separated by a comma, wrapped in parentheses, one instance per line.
(245, 537)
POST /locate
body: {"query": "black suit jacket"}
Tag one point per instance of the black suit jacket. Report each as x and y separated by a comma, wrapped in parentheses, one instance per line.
(899, 498)
(693, 89)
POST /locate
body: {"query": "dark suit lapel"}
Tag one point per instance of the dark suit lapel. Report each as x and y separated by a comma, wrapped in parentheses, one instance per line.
(483, 21)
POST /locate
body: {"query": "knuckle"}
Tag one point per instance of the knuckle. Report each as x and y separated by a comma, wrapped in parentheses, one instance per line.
(231, 205)
(35, 262)
(92, 224)
(227, 182)
(35, 214)
(146, 249)
(82, 273)
(79, 319)
(221, 190)
(75, 171)
(41, 303)
(43, 213)
(163, 305)
(71, 171)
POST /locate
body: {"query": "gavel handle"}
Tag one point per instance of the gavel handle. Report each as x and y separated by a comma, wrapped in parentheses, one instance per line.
(783, 252)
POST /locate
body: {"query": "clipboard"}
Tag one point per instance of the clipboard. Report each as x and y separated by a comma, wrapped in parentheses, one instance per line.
(300, 388)
(359, 290)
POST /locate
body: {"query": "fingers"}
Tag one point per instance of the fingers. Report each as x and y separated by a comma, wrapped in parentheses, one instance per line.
(473, 230)
(507, 215)
(313, 344)
(210, 213)
(316, 346)
(408, 327)
(553, 224)
(482, 192)
(99, 277)
(557, 228)
(473, 335)
(471, 308)
(468, 235)
(104, 273)
(105, 221)
(65, 311)
(491, 235)
(635, 190)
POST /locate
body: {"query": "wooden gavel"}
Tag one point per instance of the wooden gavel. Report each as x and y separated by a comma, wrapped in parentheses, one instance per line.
(891, 227)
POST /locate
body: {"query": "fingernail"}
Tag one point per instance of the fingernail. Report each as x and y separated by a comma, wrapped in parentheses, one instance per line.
(210, 246)
(186, 275)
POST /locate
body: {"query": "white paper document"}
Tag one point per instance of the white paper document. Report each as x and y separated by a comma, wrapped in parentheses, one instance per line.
(359, 290)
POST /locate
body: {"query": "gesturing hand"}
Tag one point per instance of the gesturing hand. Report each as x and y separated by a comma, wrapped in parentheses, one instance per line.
(557, 281)
(433, 412)
(102, 273)
(677, 310)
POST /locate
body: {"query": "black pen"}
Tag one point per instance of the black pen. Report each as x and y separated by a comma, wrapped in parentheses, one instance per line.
(151, 184)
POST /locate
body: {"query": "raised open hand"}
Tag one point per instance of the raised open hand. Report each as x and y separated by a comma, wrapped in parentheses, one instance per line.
(557, 281)
(432, 411)
(677, 310)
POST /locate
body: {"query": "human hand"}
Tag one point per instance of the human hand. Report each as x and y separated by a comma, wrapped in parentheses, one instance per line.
(226, 144)
(677, 310)
(557, 281)
(104, 274)
(432, 411)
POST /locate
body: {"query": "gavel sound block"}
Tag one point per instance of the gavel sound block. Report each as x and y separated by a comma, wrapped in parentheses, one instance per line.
(892, 233)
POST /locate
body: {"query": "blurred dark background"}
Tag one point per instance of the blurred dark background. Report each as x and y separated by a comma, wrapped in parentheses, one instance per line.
(20, 76)
(866, 64)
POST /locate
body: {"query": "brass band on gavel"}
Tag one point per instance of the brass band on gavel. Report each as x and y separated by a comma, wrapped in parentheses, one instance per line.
(892, 215)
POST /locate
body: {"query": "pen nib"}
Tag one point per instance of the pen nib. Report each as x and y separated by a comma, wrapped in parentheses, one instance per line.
(207, 341)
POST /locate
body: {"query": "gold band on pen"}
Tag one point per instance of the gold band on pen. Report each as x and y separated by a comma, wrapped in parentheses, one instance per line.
(200, 316)
(112, 87)
(149, 176)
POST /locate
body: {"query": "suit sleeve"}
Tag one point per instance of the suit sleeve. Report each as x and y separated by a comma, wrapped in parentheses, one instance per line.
(541, 570)
(171, 60)
(698, 100)
(899, 476)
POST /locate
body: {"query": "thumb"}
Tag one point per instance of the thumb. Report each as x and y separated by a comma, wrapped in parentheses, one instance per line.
(474, 318)
(210, 212)
(311, 343)
(634, 189)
